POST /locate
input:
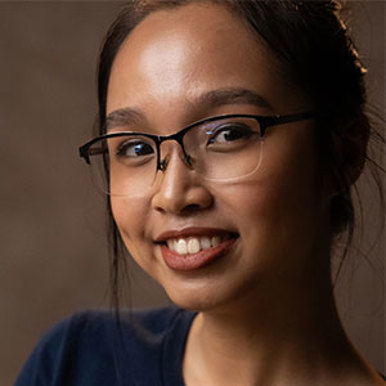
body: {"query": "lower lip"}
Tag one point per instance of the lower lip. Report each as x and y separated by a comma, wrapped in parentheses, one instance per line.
(197, 260)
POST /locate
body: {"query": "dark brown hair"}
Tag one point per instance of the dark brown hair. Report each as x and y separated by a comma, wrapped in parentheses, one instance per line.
(310, 41)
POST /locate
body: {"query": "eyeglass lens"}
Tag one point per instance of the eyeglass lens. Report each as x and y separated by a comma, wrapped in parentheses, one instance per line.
(223, 150)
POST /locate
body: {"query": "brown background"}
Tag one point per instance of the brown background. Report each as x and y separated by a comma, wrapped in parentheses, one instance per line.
(53, 257)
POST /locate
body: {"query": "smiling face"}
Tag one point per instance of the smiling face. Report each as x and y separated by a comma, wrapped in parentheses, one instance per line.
(261, 235)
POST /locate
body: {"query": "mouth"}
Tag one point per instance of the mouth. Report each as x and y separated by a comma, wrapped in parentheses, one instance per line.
(194, 248)
(191, 245)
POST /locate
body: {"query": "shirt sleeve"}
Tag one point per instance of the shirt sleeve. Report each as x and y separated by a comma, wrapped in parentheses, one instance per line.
(91, 349)
(46, 361)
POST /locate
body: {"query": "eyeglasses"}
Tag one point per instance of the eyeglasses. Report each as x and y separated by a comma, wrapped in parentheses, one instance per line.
(223, 149)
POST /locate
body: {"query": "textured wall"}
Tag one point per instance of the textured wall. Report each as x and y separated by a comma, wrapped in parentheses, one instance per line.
(53, 252)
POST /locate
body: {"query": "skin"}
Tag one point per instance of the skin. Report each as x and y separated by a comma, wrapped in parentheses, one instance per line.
(262, 304)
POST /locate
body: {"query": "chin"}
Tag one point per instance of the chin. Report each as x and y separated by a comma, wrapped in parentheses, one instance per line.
(195, 303)
(208, 295)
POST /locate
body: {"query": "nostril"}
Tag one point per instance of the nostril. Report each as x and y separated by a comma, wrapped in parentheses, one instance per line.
(191, 208)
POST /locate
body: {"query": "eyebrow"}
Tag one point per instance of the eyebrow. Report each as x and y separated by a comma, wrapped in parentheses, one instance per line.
(210, 99)
(123, 116)
(232, 95)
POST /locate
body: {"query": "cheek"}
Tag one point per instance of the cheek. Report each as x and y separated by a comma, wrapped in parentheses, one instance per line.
(130, 215)
(278, 213)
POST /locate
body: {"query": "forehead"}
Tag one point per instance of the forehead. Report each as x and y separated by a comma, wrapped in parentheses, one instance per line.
(176, 54)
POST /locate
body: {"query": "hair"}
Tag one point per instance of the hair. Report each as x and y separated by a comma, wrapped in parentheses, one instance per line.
(310, 40)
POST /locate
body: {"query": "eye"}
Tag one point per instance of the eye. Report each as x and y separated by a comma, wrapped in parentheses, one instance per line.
(230, 133)
(134, 148)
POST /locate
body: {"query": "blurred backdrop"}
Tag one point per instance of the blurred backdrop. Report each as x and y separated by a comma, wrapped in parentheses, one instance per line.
(53, 256)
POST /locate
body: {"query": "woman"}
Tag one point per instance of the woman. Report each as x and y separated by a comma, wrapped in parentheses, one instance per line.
(231, 133)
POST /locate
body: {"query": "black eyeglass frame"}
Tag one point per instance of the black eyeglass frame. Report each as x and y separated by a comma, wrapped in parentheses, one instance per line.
(264, 122)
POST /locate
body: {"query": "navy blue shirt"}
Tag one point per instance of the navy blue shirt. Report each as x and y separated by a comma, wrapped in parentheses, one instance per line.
(90, 349)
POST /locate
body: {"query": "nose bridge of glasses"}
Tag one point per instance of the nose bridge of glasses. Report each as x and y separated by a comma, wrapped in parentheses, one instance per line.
(170, 149)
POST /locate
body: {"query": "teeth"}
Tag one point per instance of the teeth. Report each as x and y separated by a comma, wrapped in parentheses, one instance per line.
(193, 244)
(216, 240)
(181, 247)
(205, 242)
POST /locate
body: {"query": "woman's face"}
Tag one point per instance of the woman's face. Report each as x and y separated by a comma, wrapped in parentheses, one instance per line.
(174, 69)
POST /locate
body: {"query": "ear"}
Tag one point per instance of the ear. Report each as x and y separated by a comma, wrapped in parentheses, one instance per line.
(349, 148)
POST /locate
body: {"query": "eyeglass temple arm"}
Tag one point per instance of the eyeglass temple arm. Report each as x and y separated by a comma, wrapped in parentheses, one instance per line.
(85, 152)
(281, 119)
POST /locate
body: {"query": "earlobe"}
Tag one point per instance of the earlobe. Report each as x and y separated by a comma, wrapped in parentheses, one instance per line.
(340, 180)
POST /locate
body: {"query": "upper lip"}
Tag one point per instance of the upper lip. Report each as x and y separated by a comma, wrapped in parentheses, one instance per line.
(191, 231)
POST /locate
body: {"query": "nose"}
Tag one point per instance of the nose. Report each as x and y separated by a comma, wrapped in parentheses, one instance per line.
(178, 189)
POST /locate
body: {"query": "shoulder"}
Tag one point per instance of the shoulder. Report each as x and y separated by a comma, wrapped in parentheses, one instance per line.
(92, 346)
(73, 343)
(94, 327)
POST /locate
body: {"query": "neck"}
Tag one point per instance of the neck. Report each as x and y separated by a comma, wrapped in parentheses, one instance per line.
(284, 338)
